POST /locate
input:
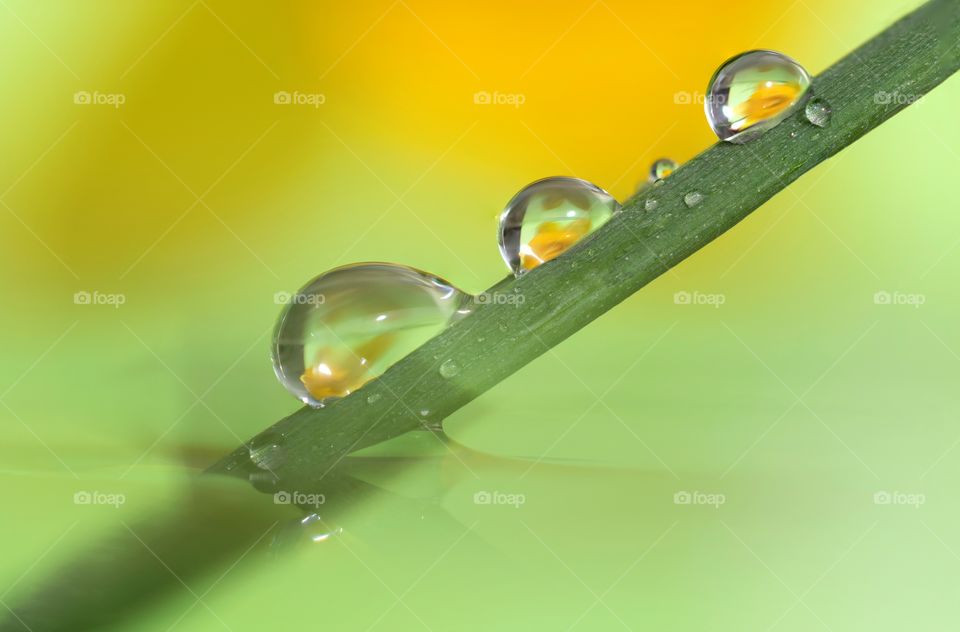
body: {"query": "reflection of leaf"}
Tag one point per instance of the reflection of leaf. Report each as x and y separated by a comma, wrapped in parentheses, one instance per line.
(634, 247)
(184, 550)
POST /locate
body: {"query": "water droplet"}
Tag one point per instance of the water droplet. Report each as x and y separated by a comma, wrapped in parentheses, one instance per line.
(753, 92)
(547, 217)
(313, 528)
(348, 325)
(794, 134)
(502, 327)
(662, 168)
(449, 369)
(480, 339)
(659, 170)
(818, 112)
(373, 399)
(264, 481)
(425, 412)
(266, 450)
(693, 198)
(650, 204)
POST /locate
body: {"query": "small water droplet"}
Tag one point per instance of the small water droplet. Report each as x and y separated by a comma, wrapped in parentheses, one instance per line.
(266, 450)
(264, 481)
(449, 369)
(692, 199)
(374, 398)
(425, 412)
(658, 183)
(312, 528)
(662, 168)
(754, 92)
(794, 134)
(348, 325)
(502, 327)
(818, 112)
(650, 204)
(547, 217)
(480, 338)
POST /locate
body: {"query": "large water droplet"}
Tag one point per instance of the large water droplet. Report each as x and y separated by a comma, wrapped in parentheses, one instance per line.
(449, 369)
(752, 93)
(547, 217)
(348, 325)
(818, 112)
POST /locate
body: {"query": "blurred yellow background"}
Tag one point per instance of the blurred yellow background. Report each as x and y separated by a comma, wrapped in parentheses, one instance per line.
(195, 158)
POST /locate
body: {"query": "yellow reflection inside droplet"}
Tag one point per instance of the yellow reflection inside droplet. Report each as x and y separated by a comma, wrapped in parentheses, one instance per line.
(768, 99)
(333, 375)
(552, 239)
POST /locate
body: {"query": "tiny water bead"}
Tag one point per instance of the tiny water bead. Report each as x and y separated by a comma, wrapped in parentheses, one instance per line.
(661, 169)
(693, 198)
(449, 369)
(348, 325)
(818, 112)
(266, 450)
(754, 92)
(547, 217)
(650, 204)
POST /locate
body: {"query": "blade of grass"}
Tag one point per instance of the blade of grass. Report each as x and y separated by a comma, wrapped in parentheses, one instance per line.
(906, 60)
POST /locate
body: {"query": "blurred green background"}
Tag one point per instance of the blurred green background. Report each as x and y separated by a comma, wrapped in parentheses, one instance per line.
(811, 425)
